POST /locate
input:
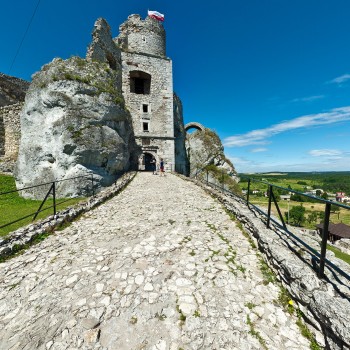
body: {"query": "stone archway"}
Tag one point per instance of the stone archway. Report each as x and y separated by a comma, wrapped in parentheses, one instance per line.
(145, 161)
(194, 125)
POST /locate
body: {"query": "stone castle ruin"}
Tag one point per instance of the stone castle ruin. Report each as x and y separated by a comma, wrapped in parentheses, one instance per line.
(113, 111)
(12, 94)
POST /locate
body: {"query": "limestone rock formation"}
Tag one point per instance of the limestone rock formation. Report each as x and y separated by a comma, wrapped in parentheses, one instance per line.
(204, 147)
(205, 151)
(74, 122)
(12, 90)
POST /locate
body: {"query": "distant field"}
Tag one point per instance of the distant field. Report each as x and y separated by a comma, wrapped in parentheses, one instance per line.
(344, 214)
(13, 207)
(331, 182)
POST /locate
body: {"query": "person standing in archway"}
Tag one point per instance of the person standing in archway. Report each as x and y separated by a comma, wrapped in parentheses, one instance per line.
(162, 167)
(153, 165)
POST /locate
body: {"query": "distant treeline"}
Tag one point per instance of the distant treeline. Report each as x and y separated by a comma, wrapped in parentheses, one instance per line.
(329, 181)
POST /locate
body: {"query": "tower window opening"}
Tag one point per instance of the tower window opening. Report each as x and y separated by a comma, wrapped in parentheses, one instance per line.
(146, 142)
(145, 126)
(140, 82)
(145, 108)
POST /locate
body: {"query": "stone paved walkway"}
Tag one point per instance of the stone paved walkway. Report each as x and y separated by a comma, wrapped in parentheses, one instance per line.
(160, 266)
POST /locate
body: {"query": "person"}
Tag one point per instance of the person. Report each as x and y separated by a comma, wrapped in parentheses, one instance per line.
(162, 167)
(153, 166)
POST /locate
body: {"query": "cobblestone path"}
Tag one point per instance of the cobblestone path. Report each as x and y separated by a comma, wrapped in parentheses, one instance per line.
(160, 266)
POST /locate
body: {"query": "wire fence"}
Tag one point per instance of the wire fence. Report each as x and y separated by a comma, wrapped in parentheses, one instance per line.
(19, 207)
(323, 221)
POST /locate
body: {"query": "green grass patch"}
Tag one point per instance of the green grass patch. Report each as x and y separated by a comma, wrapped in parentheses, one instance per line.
(268, 275)
(14, 207)
(339, 254)
(255, 333)
(307, 334)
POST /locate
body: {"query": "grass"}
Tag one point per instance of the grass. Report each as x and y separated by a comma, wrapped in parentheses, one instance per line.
(339, 254)
(14, 207)
(255, 333)
(268, 275)
(344, 214)
(307, 334)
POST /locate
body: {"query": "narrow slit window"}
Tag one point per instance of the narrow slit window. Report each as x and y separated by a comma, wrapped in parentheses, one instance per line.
(145, 126)
(145, 108)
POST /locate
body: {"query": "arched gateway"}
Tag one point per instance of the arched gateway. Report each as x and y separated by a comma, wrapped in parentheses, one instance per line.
(194, 125)
(145, 161)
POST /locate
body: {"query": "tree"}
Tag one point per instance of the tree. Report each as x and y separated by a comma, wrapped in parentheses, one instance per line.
(312, 217)
(318, 193)
(324, 195)
(335, 209)
(296, 197)
(297, 215)
(320, 215)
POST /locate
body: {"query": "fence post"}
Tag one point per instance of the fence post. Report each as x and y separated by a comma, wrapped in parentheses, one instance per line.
(269, 209)
(248, 191)
(42, 203)
(54, 197)
(92, 184)
(324, 239)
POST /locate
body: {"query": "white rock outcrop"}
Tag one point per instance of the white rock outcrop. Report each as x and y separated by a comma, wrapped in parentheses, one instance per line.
(74, 122)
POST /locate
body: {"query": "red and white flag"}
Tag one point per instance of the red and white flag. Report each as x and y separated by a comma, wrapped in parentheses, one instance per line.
(154, 14)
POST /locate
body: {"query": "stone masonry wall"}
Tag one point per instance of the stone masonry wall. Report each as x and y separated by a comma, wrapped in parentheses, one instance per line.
(137, 35)
(9, 138)
(160, 114)
(12, 90)
(2, 136)
(324, 303)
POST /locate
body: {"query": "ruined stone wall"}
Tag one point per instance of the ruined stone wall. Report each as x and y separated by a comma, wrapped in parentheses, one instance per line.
(12, 90)
(10, 130)
(181, 159)
(2, 136)
(103, 48)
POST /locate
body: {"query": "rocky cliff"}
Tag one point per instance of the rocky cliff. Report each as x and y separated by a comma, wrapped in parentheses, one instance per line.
(74, 123)
(206, 157)
(204, 147)
(12, 90)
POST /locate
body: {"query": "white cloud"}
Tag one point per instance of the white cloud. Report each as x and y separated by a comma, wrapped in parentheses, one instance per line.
(309, 98)
(256, 150)
(260, 136)
(240, 161)
(343, 78)
(320, 165)
(325, 153)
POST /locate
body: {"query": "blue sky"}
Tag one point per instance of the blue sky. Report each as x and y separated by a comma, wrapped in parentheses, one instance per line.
(271, 77)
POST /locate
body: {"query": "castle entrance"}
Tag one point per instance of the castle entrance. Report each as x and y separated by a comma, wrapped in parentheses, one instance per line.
(147, 157)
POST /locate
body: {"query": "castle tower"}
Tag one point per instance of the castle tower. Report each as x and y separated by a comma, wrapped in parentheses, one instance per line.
(147, 84)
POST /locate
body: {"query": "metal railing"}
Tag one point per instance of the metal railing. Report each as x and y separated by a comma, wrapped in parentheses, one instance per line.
(52, 190)
(320, 257)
